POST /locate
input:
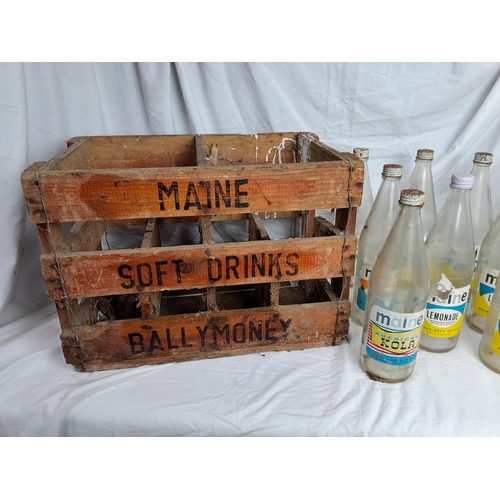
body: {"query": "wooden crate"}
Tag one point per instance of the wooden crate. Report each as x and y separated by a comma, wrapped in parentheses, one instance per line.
(156, 304)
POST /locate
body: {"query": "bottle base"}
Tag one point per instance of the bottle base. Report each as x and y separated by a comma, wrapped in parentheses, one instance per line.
(474, 327)
(436, 344)
(378, 377)
(488, 365)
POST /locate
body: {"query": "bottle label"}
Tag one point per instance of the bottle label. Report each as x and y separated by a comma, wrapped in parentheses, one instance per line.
(495, 341)
(364, 278)
(392, 337)
(484, 294)
(445, 311)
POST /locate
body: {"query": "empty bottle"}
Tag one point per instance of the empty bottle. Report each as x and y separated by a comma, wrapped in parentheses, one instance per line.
(489, 347)
(397, 295)
(367, 199)
(450, 256)
(481, 207)
(485, 279)
(379, 222)
(421, 178)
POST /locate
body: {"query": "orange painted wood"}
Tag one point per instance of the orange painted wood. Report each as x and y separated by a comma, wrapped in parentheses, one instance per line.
(156, 193)
(126, 343)
(112, 272)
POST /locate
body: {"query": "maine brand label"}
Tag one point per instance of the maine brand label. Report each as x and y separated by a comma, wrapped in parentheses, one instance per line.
(484, 294)
(495, 341)
(393, 337)
(445, 311)
(364, 278)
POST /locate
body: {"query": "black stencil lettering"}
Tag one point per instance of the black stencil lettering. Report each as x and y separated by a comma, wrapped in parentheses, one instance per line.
(245, 266)
(177, 263)
(159, 271)
(242, 328)
(183, 338)
(218, 331)
(122, 274)
(285, 326)
(211, 276)
(219, 192)
(254, 330)
(191, 192)
(174, 188)
(169, 341)
(136, 343)
(261, 266)
(232, 267)
(155, 342)
(237, 193)
(291, 262)
(140, 275)
(208, 187)
(270, 329)
(202, 334)
(275, 262)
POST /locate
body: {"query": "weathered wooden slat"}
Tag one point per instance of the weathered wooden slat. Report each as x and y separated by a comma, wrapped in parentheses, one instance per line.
(142, 151)
(150, 303)
(156, 193)
(128, 343)
(197, 266)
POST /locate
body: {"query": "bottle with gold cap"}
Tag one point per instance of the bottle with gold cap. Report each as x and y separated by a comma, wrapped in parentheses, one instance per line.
(481, 207)
(398, 291)
(378, 224)
(450, 256)
(421, 178)
(367, 199)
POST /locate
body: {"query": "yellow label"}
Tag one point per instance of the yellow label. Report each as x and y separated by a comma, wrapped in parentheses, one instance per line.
(495, 341)
(484, 293)
(444, 316)
(395, 342)
(442, 332)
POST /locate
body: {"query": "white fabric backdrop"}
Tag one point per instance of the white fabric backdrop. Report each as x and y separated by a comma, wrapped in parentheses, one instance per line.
(391, 108)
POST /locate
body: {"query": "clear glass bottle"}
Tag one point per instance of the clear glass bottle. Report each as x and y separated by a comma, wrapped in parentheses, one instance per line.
(450, 256)
(485, 279)
(367, 199)
(489, 347)
(421, 178)
(481, 207)
(379, 222)
(399, 287)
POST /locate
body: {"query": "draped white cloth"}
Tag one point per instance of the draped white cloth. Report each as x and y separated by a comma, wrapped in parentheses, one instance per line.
(393, 109)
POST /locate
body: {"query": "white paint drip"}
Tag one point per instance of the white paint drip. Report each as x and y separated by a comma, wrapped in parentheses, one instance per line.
(278, 149)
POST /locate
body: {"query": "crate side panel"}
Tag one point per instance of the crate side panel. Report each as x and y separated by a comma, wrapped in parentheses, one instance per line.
(157, 193)
(205, 335)
(87, 274)
(151, 151)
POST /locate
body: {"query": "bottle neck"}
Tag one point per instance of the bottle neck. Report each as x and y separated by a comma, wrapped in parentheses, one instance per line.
(480, 172)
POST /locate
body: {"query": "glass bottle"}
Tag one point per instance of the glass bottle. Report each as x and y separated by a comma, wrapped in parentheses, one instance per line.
(367, 198)
(481, 207)
(485, 278)
(398, 291)
(450, 256)
(378, 224)
(489, 347)
(421, 178)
